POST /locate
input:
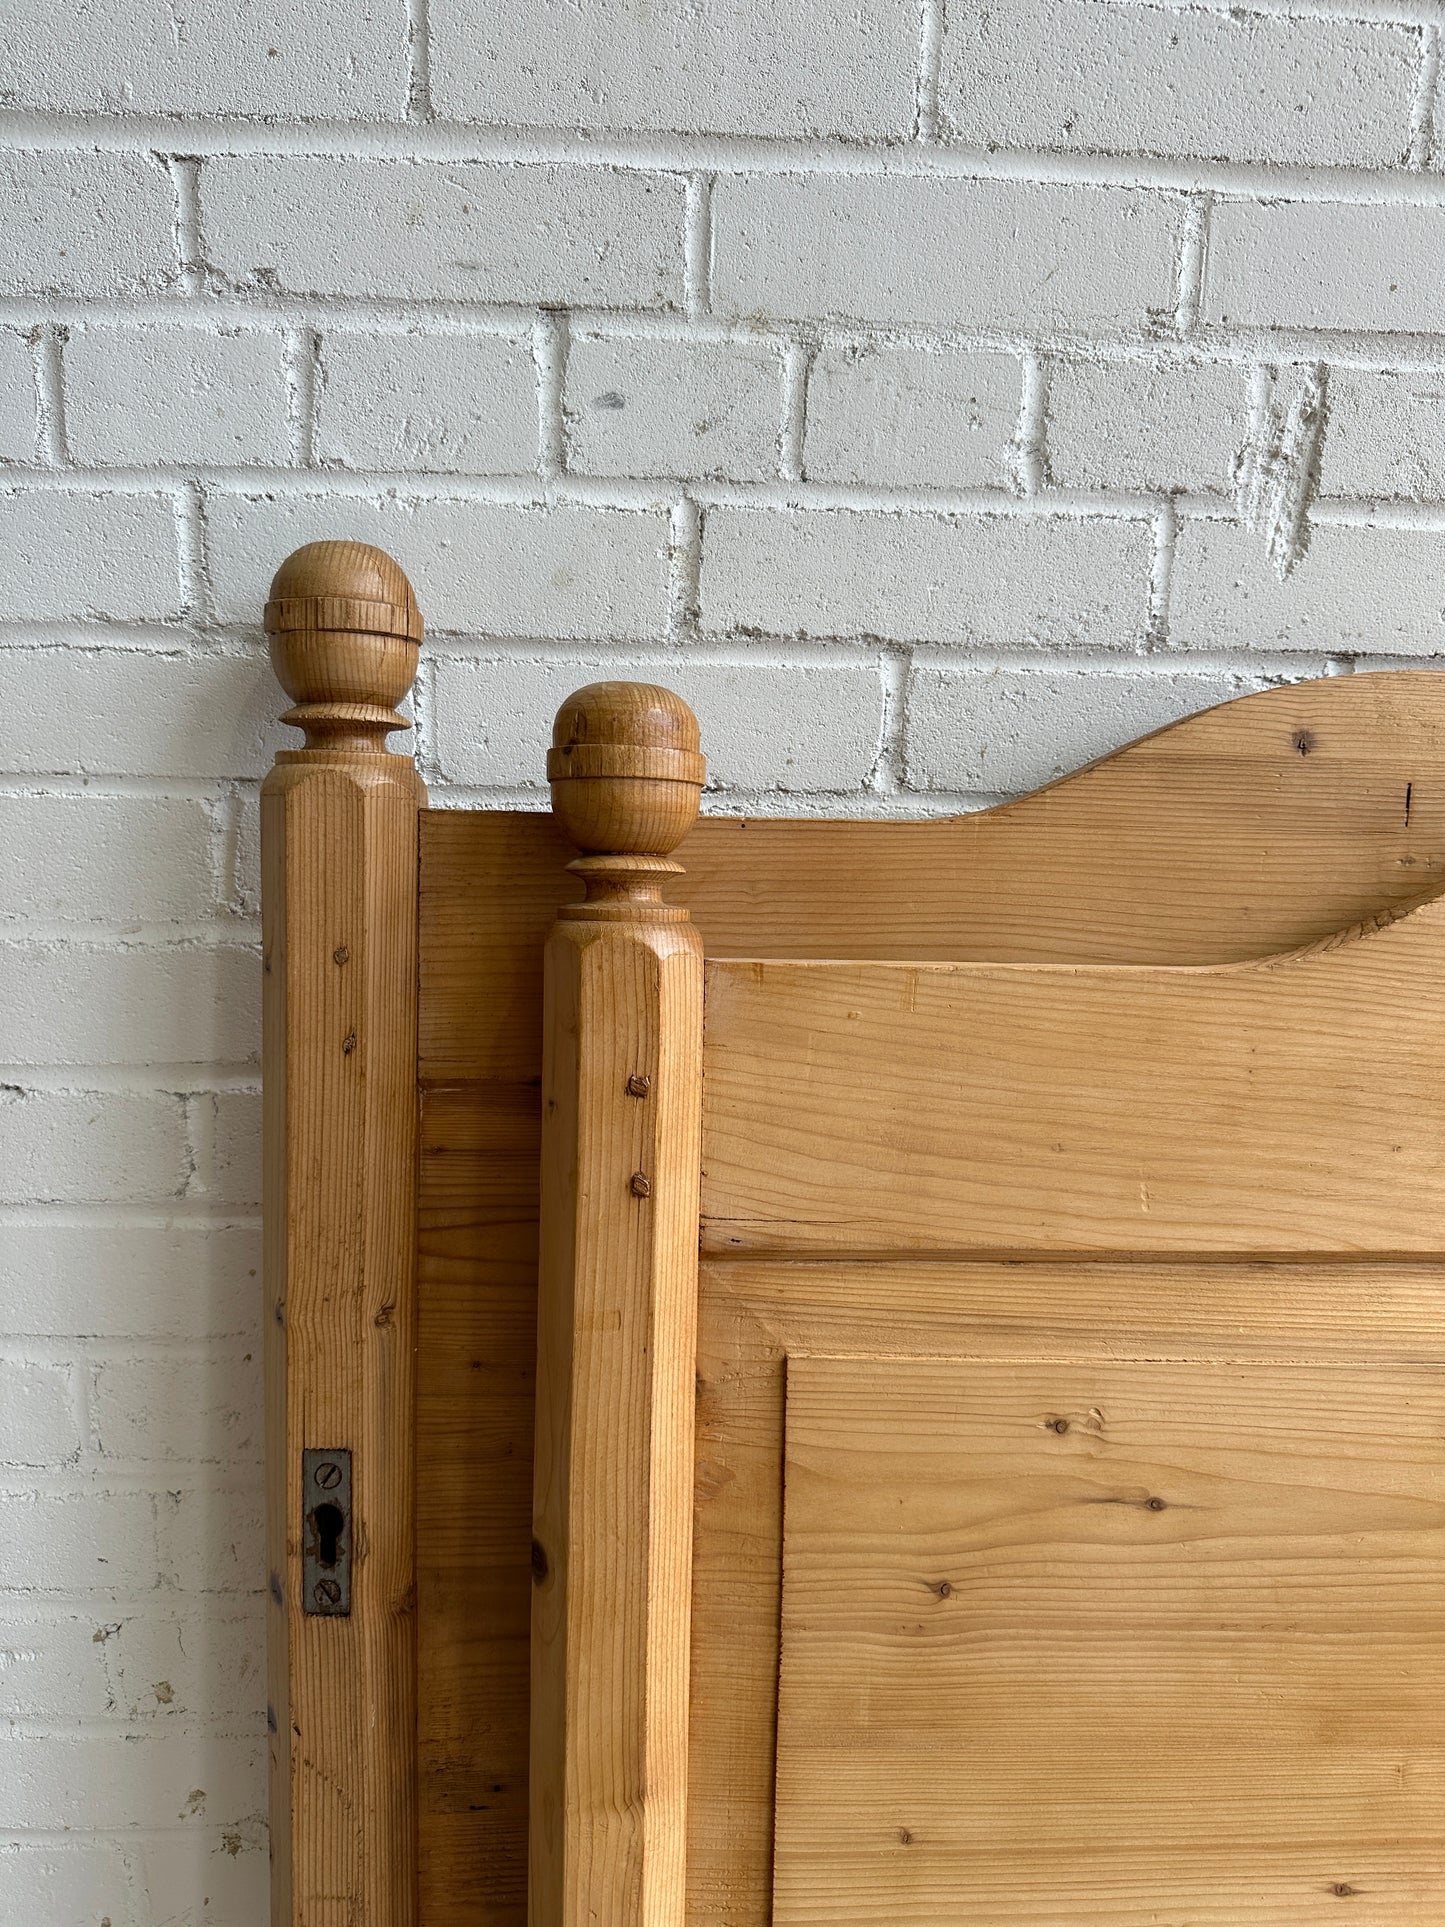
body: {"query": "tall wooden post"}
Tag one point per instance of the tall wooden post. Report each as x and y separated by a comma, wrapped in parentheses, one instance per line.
(622, 1087)
(339, 862)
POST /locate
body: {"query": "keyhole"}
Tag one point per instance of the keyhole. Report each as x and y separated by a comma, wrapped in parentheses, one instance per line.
(330, 1521)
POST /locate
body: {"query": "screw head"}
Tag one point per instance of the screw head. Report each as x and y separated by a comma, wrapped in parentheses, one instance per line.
(327, 1592)
(328, 1476)
(638, 1085)
(641, 1186)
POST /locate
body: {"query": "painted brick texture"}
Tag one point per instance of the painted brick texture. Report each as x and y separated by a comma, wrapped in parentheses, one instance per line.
(937, 397)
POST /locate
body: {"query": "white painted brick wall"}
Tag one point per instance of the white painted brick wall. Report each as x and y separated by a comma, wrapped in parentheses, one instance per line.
(17, 397)
(1081, 77)
(463, 403)
(843, 67)
(696, 410)
(937, 397)
(175, 396)
(943, 417)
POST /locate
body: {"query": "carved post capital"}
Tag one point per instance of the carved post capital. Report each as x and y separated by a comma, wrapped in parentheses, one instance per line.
(345, 632)
(626, 773)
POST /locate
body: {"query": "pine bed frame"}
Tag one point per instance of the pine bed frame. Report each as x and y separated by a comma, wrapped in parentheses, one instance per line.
(404, 1140)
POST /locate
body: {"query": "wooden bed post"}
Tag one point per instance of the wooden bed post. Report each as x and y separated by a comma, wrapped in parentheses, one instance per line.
(339, 864)
(612, 1557)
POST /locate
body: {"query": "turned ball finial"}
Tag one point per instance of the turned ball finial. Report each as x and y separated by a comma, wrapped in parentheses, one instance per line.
(625, 769)
(345, 633)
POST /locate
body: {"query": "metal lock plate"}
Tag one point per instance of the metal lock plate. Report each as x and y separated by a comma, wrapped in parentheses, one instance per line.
(326, 1534)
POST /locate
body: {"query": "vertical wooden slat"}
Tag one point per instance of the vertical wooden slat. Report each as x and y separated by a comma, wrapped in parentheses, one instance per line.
(339, 859)
(621, 1088)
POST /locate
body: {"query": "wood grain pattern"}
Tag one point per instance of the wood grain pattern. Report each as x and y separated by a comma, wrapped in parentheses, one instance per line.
(1251, 829)
(754, 1314)
(339, 859)
(1037, 1615)
(994, 1108)
(477, 1283)
(1246, 830)
(616, 1340)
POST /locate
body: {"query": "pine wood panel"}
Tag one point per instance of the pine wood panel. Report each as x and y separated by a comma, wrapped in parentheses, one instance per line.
(1245, 830)
(1037, 1612)
(477, 1281)
(755, 1314)
(995, 1108)
(1242, 832)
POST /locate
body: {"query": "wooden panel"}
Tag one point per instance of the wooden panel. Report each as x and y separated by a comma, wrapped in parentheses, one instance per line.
(752, 1315)
(1238, 833)
(478, 1286)
(1109, 1639)
(994, 1108)
(1248, 829)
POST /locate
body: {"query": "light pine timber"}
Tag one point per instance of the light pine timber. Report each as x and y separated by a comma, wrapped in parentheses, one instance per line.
(996, 1108)
(339, 861)
(1113, 1640)
(757, 1318)
(617, 1327)
(1247, 830)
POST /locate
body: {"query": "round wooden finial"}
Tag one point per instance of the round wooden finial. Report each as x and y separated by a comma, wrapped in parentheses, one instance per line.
(625, 769)
(345, 632)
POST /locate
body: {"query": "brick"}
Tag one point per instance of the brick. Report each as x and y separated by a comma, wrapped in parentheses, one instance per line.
(211, 1537)
(945, 253)
(227, 1147)
(243, 882)
(679, 408)
(38, 1424)
(85, 223)
(17, 398)
(177, 1406)
(64, 554)
(150, 1780)
(85, 1881)
(76, 1003)
(53, 1667)
(64, 1147)
(999, 581)
(1384, 435)
(459, 230)
(1146, 425)
(1075, 76)
(190, 1280)
(207, 1665)
(827, 68)
(327, 59)
(120, 859)
(944, 419)
(81, 1542)
(794, 728)
(227, 1864)
(1005, 731)
(563, 572)
(1326, 264)
(130, 712)
(182, 395)
(446, 403)
(1371, 591)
